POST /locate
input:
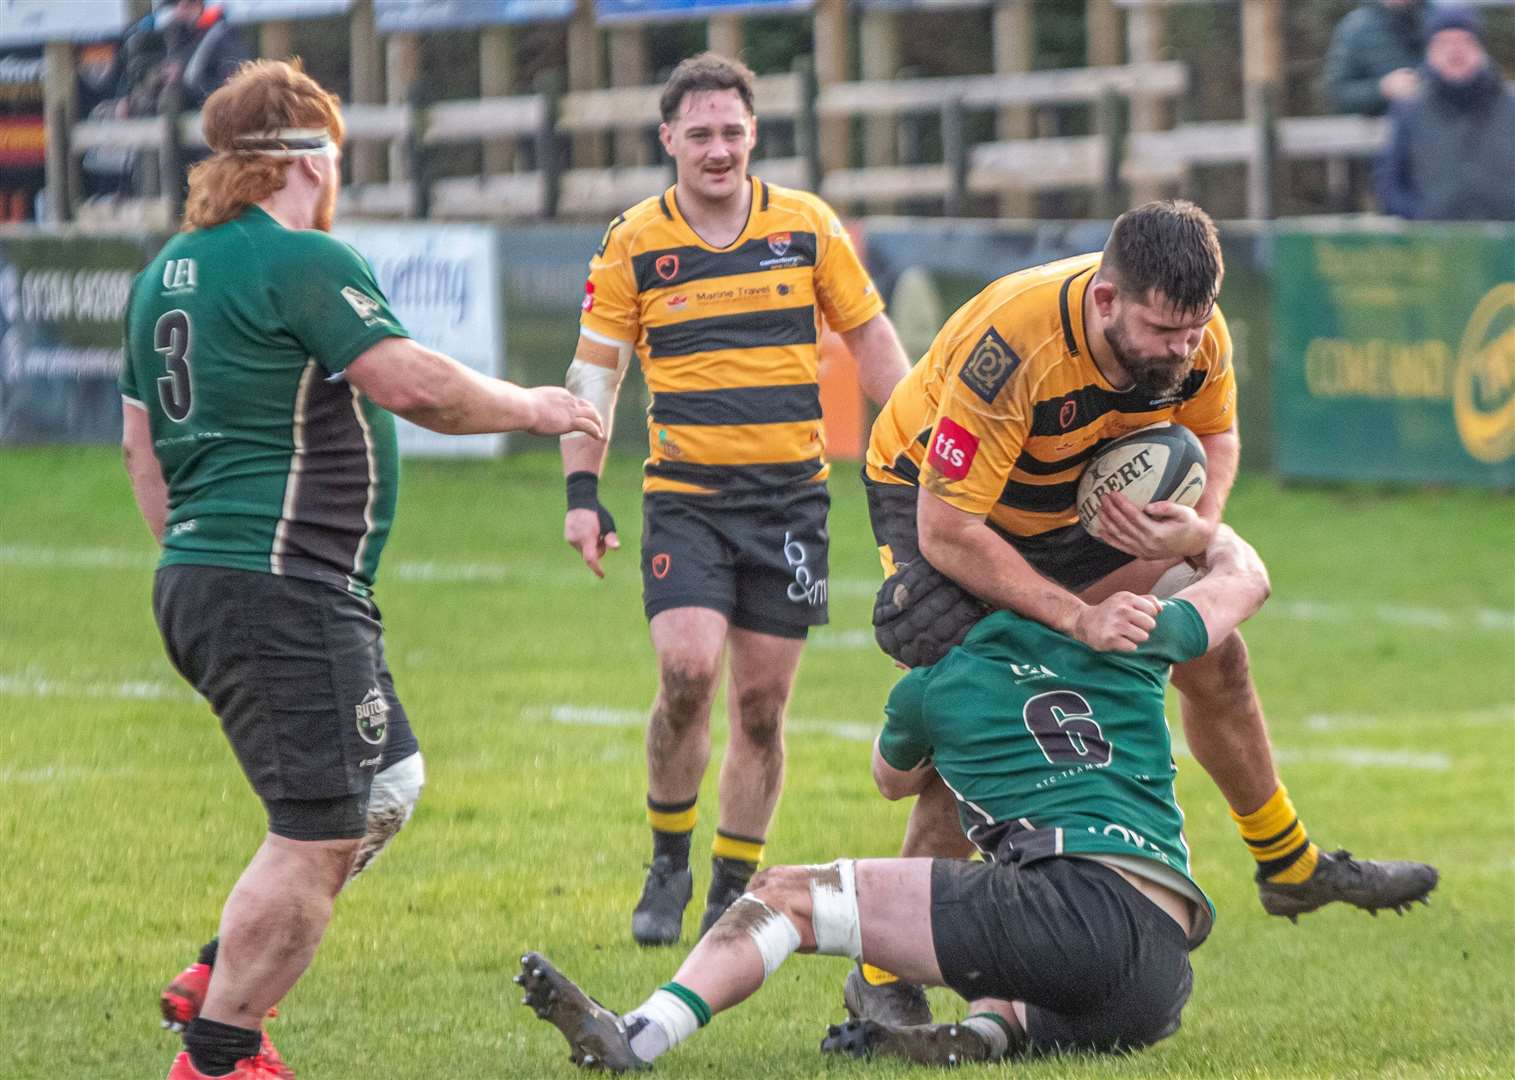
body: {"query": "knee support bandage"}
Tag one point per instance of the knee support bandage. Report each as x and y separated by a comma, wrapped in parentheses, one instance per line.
(833, 909)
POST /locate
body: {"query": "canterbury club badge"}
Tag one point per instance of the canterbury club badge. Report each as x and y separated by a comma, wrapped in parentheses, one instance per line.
(667, 267)
(990, 365)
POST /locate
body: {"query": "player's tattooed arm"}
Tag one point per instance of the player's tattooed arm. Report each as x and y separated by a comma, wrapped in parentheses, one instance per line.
(146, 475)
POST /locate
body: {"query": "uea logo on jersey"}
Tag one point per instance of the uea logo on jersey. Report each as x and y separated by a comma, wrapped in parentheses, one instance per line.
(179, 276)
(953, 448)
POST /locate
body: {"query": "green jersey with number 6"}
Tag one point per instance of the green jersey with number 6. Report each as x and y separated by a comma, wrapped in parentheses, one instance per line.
(1056, 749)
(236, 340)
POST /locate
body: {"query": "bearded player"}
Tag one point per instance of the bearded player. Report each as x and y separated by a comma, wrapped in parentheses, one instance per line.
(972, 471)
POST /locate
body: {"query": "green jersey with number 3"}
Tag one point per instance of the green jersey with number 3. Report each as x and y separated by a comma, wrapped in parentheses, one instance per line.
(1053, 748)
(236, 340)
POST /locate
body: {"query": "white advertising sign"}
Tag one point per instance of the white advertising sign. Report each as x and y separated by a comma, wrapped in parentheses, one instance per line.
(443, 282)
(32, 22)
(261, 11)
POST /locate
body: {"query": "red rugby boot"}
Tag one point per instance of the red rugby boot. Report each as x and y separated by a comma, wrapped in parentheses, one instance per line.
(183, 997)
(257, 1067)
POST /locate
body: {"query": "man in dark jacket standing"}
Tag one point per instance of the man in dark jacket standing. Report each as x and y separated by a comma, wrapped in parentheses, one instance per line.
(1373, 56)
(203, 49)
(1451, 153)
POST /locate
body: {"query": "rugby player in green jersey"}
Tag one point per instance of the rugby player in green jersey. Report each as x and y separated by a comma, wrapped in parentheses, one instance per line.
(1073, 935)
(263, 368)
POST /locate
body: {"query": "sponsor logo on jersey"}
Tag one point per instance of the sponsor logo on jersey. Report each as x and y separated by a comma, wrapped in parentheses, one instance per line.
(952, 449)
(678, 303)
(990, 365)
(373, 717)
(667, 445)
(784, 290)
(588, 304)
(667, 266)
(778, 243)
(179, 276)
(365, 306)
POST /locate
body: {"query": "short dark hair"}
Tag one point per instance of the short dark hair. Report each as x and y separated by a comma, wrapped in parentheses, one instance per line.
(707, 71)
(1169, 247)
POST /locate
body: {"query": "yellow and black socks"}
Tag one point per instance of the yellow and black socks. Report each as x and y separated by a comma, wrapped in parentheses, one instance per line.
(1278, 841)
(672, 824)
(672, 1014)
(733, 861)
(877, 976)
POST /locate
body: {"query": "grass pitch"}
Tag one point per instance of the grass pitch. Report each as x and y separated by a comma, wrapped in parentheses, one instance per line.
(1386, 660)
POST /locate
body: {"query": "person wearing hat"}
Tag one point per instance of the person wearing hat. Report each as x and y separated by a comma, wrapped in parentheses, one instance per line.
(1451, 152)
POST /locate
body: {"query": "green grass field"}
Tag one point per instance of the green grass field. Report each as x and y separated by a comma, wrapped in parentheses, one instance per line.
(1386, 659)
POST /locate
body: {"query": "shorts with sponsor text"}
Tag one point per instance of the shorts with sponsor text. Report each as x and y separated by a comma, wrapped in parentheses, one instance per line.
(295, 671)
(1068, 556)
(759, 558)
(1099, 966)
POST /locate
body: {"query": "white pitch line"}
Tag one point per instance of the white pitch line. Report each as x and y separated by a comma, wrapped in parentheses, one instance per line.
(436, 572)
(33, 685)
(1496, 716)
(603, 716)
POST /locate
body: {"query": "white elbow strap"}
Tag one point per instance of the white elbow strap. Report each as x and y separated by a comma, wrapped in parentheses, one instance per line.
(775, 936)
(596, 385)
(833, 909)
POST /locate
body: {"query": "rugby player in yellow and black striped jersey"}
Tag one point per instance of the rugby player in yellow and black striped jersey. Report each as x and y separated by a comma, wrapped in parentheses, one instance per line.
(719, 286)
(974, 463)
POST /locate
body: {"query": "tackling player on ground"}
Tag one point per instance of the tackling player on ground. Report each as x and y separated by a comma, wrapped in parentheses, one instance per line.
(719, 285)
(973, 468)
(263, 366)
(1073, 936)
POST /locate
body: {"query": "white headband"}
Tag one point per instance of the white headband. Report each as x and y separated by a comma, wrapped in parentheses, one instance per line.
(287, 142)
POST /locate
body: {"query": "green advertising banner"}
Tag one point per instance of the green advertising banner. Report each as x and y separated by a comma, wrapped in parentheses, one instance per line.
(1394, 355)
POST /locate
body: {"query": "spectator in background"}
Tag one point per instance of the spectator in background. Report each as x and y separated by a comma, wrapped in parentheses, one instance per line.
(203, 51)
(1373, 55)
(1451, 153)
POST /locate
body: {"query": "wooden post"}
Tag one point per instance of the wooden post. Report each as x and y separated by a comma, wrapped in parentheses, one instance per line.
(1262, 63)
(628, 67)
(1014, 36)
(1107, 123)
(1102, 33)
(1144, 44)
(549, 153)
(276, 40)
(402, 61)
(955, 154)
(59, 108)
(497, 77)
(586, 60)
(806, 128)
(879, 58)
(830, 39)
(723, 34)
(366, 60)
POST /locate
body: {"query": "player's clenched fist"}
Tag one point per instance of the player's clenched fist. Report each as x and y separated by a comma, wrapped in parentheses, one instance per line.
(557, 412)
(1119, 623)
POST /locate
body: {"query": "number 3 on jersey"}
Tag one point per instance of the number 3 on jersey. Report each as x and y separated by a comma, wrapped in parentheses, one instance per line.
(171, 338)
(1064, 727)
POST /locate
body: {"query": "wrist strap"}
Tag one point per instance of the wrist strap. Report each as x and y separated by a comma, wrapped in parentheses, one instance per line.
(583, 491)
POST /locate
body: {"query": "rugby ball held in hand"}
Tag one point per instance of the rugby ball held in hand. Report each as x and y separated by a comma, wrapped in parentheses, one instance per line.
(1164, 462)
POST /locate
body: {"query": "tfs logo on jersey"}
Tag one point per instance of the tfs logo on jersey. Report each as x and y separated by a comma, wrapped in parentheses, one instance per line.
(180, 275)
(952, 449)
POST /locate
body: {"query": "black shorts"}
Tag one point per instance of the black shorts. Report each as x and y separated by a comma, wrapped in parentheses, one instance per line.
(759, 559)
(295, 671)
(1068, 556)
(1099, 966)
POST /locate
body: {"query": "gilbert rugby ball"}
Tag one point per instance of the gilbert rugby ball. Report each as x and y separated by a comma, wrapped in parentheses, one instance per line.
(1164, 462)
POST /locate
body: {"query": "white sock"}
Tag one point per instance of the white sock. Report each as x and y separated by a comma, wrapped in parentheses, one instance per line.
(669, 1022)
(991, 1032)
